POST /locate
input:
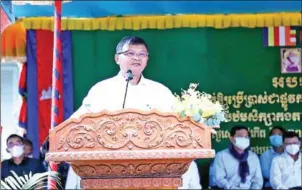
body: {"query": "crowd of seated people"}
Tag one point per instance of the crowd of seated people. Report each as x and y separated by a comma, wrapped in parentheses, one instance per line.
(236, 167)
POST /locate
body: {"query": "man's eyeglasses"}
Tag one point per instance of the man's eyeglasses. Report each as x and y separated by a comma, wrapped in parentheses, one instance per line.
(10, 145)
(297, 143)
(131, 54)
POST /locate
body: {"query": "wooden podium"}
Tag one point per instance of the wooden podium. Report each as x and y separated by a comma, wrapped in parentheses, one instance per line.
(130, 149)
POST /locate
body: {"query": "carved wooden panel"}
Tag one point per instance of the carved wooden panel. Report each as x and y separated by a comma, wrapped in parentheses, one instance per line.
(130, 149)
(132, 183)
(129, 130)
(132, 168)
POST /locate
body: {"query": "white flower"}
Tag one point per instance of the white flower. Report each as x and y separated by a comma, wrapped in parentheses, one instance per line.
(198, 105)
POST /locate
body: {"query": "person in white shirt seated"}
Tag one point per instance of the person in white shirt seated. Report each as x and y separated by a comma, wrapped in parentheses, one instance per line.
(286, 169)
(275, 138)
(237, 167)
(191, 179)
(144, 94)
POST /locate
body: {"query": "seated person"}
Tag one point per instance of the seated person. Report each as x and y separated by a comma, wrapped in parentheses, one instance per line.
(275, 138)
(191, 179)
(43, 150)
(28, 148)
(211, 176)
(286, 169)
(19, 163)
(237, 167)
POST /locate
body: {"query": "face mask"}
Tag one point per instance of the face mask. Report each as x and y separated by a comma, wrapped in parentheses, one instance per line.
(292, 149)
(17, 151)
(242, 142)
(276, 140)
(30, 156)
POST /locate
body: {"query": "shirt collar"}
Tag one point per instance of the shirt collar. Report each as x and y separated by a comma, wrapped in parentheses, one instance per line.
(24, 161)
(288, 157)
(142, 81)
(274, 152)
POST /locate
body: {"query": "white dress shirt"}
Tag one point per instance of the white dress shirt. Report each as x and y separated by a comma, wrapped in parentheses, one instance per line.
(109, 95)
(73, 181)
(191, 179)
(226, 171)
(266, 159)
(285, 173)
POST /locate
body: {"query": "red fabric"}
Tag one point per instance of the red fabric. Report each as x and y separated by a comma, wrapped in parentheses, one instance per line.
(23, 114)
(22, 91)
(22, 80)
(58, 102)
(44, 77)
(276, 36)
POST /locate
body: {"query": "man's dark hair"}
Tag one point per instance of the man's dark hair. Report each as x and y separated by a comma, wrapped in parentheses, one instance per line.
(290, 134)
(237, 128)
(130, 40)
(14, 136)
(27, 142)
(277, 127)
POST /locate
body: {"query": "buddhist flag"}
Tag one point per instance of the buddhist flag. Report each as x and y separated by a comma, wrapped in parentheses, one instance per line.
(279, 36)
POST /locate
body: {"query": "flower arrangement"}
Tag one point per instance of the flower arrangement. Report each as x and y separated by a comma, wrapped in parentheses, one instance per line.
(199, 106)
(36, 181)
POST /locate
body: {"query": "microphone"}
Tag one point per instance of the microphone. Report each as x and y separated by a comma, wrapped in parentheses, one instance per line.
(129, 77)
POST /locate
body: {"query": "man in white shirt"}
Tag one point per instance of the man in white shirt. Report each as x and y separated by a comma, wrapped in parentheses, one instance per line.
(237, 167)
(275, 138)
(144, 94)
(191, 179)
(286, 169)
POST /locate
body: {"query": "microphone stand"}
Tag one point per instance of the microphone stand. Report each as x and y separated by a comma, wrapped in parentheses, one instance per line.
(129, 77)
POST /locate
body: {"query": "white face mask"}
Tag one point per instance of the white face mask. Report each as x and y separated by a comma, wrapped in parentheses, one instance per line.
(17, 151)
(30, 156)
(292, 149)
(242, 142)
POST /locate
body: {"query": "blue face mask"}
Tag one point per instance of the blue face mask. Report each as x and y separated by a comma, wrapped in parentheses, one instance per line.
(276, 140)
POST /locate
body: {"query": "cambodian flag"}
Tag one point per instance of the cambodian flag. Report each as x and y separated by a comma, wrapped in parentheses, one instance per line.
(36, 118)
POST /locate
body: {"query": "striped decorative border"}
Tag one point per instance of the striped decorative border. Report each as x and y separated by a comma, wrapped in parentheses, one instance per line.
(168, 21)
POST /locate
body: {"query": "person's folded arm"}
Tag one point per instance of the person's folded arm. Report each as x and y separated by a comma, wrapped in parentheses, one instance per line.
(276, 175)
(220, 174)
(257, 179)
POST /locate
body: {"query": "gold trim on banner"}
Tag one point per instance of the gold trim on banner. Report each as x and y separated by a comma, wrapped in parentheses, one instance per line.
(218, 21)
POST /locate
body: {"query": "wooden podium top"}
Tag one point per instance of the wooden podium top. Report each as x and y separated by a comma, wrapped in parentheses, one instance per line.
(129, 134)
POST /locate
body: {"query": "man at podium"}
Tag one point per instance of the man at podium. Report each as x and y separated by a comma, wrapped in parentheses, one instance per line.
(140, 93)
(111, 94)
